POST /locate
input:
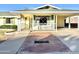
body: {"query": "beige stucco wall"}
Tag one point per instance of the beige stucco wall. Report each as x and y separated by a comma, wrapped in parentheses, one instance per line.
(2, 21)
(13, 21)
(28, 20)
(60, 21)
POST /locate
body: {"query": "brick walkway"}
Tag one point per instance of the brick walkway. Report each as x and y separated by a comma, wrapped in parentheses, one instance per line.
(54, 45)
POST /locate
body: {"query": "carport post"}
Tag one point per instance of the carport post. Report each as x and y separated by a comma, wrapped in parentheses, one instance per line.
(56, 23)
(69, 23)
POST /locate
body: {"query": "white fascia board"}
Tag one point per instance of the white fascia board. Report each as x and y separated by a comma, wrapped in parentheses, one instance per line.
(49, 12)
(54, 6)
(10, 16)
(47, 5)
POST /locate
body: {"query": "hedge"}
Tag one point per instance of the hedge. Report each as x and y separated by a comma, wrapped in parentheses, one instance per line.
(8, 27)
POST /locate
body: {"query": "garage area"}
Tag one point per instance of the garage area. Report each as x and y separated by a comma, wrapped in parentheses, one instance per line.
(73, 22)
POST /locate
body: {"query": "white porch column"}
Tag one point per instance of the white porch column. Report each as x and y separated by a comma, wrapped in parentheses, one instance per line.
(32, 23)
(56, 23)
(69, 23)
(18, 24)
(78, 22)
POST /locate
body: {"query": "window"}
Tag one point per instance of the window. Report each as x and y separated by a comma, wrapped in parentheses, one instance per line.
(43, 20)
(34, 17)
(52, 16)
(25, 18)
(8, 20)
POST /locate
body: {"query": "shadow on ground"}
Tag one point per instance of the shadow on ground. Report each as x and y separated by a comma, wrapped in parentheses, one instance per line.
(2, 41)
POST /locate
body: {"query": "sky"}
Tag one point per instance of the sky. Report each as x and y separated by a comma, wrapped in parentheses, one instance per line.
(12, 7)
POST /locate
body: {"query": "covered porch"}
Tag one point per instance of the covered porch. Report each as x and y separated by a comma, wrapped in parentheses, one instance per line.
(52, 21)
(43, 22)
(48, 19)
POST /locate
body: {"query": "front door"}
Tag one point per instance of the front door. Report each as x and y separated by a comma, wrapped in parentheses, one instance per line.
(43, 23)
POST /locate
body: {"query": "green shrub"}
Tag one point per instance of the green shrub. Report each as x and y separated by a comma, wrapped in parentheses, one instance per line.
(8, 27)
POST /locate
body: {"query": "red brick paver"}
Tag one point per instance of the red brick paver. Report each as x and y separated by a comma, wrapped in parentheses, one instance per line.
(54, 45)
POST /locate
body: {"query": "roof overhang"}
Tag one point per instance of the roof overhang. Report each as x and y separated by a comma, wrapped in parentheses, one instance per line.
(66, 13)
(55, 12)
(10, 16)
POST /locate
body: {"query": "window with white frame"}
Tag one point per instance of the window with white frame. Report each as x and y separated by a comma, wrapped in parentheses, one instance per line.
(8, 20)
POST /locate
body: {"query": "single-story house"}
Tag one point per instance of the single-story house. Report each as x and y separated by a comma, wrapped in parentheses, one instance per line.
(7, 19)
(46, 17)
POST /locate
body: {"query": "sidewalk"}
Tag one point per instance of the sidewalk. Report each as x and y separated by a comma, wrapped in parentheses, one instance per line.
(13, 43)
(72, 42)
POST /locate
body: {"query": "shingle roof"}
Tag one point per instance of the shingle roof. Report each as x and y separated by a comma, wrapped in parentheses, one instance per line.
(25, 9)
(53, 8)
(47, 8)
(7, 14)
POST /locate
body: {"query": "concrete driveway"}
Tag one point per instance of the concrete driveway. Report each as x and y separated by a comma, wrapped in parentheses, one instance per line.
(70, 37)
(13, 42)
(60, 41)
